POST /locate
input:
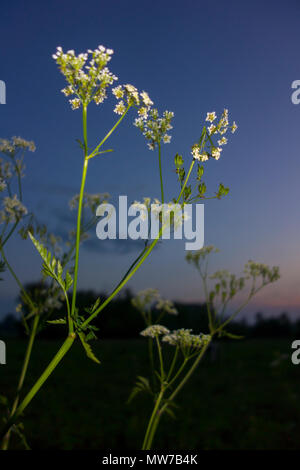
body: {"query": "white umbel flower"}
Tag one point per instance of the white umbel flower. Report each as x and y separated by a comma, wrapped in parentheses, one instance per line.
(155, 330)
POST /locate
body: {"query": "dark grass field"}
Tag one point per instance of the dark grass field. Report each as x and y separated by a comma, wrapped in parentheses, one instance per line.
(241, 401)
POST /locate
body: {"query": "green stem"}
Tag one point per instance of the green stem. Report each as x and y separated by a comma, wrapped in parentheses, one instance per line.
(187, 376)
(156, 415)
(35, 323)
(150, 348)
(178, 372)
(132, 266)
(186, 180)
(42, 379)
(79, 214)
(237, 311)
(19, 182)
(94, 152)
(10, 233)
(173, 363)
(153, 415)
(161, 362)
(210, 322)
(153, 429)
(160, 174)
(123, 283)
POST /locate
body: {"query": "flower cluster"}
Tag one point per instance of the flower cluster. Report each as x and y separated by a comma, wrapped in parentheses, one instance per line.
(254, 270)
(155, 128)
(222, 126)
(166, 306)
(11, 147)
(6, 170)
(227, 285)
(128, 96)
(155, 330)
(196, 257)
(199, 152)
(86, 74)
(90, 201)
(169, 213)
(13, 210)
(46, 298)
(186, 340)
(147, 299)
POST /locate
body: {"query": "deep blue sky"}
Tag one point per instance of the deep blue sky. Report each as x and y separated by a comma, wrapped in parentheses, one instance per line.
(192, 57)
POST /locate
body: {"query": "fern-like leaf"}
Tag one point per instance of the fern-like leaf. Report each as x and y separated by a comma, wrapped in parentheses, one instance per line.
(142, 385)
(51, 266)
(88, 349)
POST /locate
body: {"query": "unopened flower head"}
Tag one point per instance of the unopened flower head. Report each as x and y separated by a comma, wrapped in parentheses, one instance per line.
(254, 270)
(155, 128)
(155, 330)
(197, 257)
(227, 285)
(87, 75)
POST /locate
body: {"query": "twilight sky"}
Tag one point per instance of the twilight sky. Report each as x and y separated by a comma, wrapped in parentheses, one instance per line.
(192, 57)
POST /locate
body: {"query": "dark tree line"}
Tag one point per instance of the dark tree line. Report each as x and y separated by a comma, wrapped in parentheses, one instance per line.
(121, 320)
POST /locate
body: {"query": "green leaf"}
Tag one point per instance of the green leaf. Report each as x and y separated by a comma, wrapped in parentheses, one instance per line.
(202, 189)
(142, 385)
(178, 160)
(187, 192)
(68, 281)
(80, 143)
(88, 348)
(200, 171)
(52, 267)
(94, 307)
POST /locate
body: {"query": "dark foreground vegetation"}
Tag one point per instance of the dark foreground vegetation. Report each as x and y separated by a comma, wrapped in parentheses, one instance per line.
(247, 397)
